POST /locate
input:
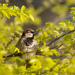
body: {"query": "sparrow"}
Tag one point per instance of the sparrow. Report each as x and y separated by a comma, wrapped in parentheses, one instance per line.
(27, 44)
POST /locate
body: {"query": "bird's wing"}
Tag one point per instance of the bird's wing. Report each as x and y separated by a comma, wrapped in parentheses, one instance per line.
(19, 44)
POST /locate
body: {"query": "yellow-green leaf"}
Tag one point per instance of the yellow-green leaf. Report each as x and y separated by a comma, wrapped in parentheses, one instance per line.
(22, 17)
(23, 8)
(6, 13)
(31, 17)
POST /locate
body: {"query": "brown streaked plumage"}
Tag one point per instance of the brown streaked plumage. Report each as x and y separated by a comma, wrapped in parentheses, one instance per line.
(27, 44)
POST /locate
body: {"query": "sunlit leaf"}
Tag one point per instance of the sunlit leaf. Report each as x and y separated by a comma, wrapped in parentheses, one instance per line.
(6, 13)
(23, 8)
(31, 17)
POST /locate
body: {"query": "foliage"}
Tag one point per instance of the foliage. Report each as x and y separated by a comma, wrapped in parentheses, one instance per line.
(64, 49)
(15, 11)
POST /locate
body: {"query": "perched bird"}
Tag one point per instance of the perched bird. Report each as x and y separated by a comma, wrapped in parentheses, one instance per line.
(27, 44)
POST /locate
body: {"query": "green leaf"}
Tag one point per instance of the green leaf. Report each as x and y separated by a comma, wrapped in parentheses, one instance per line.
(2, 8)
(73, 8)
(74, 18)
(54, 51)
(72, 12)
(22, 17)
(73, 60)
(48, 63)
(68, 38)
(23, 8)
(16, 49)
(2, 15)
(21, 69)
(16, 8)
(39, 29)
(31, 17)
(45, 50)
(18, 62)
(12, 13)
(70, 27)
(49, 24)
(50, 31)
(56, 32)
(35, 66)
(5, 5)
(11, 8)
(6, 13)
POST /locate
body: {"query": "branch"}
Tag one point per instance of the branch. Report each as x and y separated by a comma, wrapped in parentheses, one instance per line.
(56, 46)
(13, 55)
(20, 54)
(10, 42)
(60, 37)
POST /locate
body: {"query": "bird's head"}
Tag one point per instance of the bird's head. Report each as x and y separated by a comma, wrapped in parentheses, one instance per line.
(28, 33)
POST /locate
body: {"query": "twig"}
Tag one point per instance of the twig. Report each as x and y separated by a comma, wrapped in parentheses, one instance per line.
(13, 55)
(9, 42)
(60, 37)
(56, 46)
(20, 54)
(17, 54)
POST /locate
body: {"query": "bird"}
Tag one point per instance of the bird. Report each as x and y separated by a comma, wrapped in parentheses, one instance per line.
(27, 44)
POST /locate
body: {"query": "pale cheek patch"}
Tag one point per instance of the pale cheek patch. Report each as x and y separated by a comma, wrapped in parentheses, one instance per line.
(29, 35)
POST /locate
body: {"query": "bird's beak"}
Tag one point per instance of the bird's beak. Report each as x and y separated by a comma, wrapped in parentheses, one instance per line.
(35, 33)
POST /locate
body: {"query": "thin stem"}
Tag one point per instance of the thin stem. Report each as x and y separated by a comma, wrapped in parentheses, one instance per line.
(9, 42)
(60, 37)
